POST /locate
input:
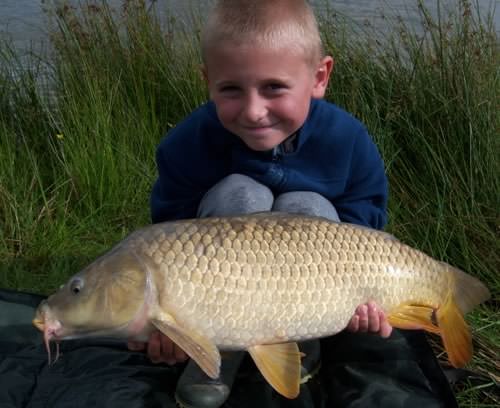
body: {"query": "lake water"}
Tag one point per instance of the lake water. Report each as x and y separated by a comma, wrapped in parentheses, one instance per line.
(24, 20)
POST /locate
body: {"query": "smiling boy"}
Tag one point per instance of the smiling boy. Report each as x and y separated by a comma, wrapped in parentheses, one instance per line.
(266, 141)
(263, 95)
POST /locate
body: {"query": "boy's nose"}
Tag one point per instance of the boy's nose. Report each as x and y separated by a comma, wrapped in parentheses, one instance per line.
(255, 109)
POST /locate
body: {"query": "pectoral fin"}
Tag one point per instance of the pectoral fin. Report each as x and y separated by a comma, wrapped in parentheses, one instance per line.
(280, 366)
(413, 317)
(195, 345)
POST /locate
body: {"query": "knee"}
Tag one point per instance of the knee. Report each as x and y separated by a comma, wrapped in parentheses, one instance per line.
(245, 188)
(236, 194)
(306, 202)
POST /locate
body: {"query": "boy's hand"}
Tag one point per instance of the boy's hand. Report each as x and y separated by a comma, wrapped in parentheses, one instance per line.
(160, 349)
(369, 318)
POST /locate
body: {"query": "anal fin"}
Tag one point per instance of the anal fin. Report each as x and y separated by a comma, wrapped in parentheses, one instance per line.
(413, 317)
(280, 366)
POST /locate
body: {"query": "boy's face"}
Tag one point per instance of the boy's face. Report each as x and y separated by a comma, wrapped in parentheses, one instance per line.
(263, 95)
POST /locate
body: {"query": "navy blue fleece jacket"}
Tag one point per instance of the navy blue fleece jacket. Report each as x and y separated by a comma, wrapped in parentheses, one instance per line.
(333, 156)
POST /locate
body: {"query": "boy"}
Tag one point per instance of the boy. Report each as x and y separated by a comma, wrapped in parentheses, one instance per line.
(265, 141)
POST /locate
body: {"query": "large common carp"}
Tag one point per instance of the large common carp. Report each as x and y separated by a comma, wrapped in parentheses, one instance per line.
(260, 283)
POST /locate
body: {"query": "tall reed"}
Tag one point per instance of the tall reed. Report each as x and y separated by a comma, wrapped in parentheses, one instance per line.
(430, 99)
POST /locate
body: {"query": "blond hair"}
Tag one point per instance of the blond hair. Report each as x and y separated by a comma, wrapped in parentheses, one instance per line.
(268, 23)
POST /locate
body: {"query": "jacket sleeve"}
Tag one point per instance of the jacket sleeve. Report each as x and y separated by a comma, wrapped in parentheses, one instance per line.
(365, 199)
(173, 195)
(190, 160)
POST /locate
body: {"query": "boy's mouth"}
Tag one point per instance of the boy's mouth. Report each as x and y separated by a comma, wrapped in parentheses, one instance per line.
(257, 128)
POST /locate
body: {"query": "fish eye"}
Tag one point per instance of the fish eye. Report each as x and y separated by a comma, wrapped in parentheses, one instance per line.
(76, 286)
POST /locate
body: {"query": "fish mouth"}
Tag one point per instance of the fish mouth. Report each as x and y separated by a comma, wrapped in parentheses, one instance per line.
(51, 330)
(39, 323)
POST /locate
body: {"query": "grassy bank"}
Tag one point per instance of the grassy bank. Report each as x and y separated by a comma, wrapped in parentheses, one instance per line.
(77, 145)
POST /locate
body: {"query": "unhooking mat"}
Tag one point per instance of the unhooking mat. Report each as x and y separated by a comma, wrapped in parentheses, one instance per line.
(357, 371)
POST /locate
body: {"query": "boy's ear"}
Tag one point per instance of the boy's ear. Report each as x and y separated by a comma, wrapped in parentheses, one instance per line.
(321, 77)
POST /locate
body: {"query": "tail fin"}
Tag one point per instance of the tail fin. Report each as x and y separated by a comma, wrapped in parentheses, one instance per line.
(455, 333)
(466, 293)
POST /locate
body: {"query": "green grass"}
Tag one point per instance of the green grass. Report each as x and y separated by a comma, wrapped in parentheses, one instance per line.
(77, 146)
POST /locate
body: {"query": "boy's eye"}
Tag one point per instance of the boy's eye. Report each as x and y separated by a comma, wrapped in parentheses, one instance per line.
(275, 87)
(229, 88)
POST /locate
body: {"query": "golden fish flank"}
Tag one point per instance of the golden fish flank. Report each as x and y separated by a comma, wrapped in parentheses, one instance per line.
(260, 283)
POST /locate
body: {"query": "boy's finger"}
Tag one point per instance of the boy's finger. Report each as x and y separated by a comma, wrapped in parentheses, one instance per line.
(373, 318)
(353, 325)
(166, 349)
(136, 345)
(360, 310)
(363, 318)
(180, 355)
(385, 327)
(154, 348)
